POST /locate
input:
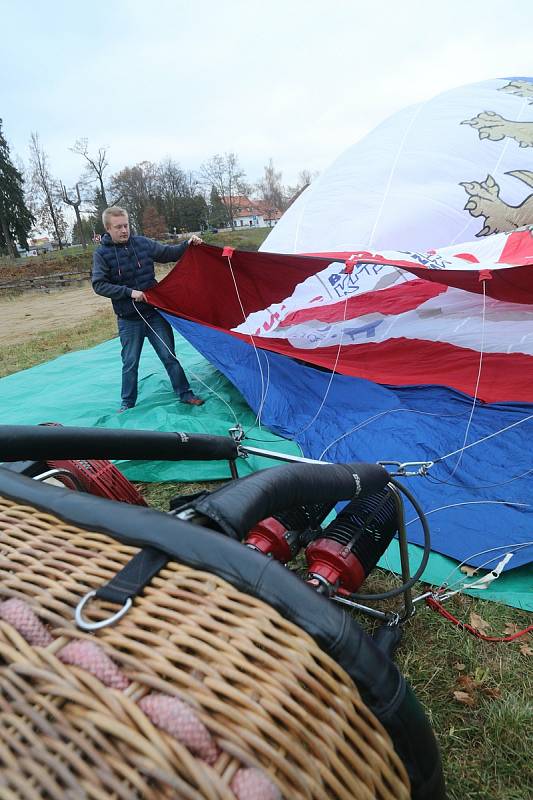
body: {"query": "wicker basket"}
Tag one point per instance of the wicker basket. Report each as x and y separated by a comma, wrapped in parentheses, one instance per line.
(271, 714)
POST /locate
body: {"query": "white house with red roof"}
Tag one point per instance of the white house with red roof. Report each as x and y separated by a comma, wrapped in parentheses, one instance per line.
(254, 213)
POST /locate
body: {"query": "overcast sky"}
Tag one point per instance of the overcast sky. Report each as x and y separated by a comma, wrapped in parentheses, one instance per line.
(290, 80)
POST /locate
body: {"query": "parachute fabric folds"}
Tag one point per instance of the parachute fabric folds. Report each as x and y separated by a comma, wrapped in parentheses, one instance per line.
(406, 184)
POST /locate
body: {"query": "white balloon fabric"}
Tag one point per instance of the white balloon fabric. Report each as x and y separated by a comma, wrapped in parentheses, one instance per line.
(449, 170)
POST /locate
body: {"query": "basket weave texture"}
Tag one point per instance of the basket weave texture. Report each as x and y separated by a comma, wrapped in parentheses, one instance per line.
(262, 689)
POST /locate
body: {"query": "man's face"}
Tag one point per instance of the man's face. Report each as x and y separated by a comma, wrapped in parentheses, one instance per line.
(119, 229)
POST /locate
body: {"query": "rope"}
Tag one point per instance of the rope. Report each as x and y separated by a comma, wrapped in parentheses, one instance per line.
(445, 585)
(436, 606)
(418, 109)
(264, 389)
(468, 424)
(433, 479)
(333, 373)
(485, 438)
(196, 377)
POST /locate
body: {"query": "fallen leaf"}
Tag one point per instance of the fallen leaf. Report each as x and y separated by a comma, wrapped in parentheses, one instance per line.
(511, 628)
(492, 692)
(467, 683)
(464, 698)
(469, 571)
(479, 623)
(526, 650)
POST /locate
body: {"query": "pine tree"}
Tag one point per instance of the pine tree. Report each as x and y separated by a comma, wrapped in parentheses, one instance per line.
(15, 219)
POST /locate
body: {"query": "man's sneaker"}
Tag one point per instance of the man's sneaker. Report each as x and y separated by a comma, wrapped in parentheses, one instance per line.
(192, 400)
(124, 408)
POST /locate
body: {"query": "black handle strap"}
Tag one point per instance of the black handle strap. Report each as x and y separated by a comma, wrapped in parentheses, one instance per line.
(131, 580)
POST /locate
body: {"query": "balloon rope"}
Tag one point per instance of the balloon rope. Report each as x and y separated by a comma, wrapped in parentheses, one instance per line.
(442, 482)
(333, 373)
(484, 438)
(505, 547)
(392, 171)
(264, 388)
(191, 372)
(472, 503)
(367, 421)
(468, 424)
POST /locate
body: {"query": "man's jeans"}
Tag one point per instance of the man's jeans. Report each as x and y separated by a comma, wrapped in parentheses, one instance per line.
(132, 334)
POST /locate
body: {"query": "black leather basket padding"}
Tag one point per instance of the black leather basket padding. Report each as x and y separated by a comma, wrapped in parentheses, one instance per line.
(378, 679)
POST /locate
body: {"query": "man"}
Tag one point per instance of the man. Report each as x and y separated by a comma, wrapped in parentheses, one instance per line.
(123, 267)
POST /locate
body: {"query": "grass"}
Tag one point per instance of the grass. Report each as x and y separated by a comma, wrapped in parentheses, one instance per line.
(53, 343)
(485, 744)
(241, 238)
(68, 254)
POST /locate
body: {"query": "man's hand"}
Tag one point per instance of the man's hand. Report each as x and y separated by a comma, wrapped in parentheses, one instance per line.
(195, 240)
(138, 296)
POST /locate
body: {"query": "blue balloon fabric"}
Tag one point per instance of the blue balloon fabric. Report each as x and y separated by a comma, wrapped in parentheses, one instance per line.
(476, 512)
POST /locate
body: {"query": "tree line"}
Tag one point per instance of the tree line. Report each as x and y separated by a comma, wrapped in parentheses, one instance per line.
(161, 197)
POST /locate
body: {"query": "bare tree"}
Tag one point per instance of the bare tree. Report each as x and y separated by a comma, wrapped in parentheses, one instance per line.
(227, 177)
(76, 206)
(136, 186)
(95, 166)
(45, 191)
(270, 188)
(305, 178)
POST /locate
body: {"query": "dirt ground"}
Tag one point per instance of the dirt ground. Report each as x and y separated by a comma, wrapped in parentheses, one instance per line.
(35, 312)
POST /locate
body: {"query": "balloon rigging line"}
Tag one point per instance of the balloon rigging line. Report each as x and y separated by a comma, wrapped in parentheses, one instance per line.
(263, 388)
(477, 380)
(433, 479)
(444, 583)
(307, 192)
(391, 173)
(377, 416)
(383, 414)
(333, 373)
(485, 438)
(196, 377)
(506, 547)
(472, 503)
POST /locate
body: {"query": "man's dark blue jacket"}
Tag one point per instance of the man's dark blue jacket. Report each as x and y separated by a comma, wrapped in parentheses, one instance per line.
(119, 268)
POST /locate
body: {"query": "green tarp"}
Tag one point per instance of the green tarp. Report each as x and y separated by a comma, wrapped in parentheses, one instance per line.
(83, 389)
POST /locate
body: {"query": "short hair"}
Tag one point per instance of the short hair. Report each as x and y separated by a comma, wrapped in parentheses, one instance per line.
(113, 211)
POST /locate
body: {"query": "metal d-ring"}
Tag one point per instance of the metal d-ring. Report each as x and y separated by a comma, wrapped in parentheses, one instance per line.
(93, 626)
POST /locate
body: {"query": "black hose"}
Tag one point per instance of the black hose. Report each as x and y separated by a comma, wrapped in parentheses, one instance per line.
(236, 507)
(49, 443)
